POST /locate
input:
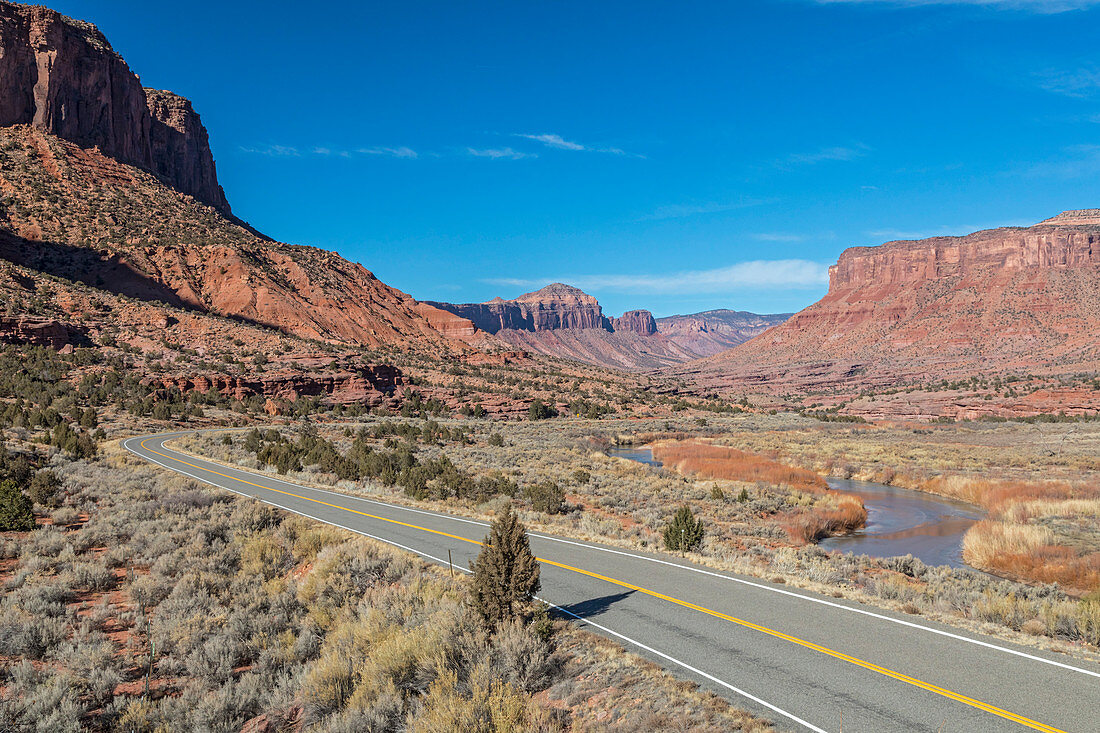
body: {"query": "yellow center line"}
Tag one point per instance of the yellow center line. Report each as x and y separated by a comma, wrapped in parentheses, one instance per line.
(1026, 722)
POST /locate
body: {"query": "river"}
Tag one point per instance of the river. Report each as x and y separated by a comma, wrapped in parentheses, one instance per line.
(899, 521)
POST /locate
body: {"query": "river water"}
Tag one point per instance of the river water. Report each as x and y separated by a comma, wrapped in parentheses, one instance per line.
(899, 521)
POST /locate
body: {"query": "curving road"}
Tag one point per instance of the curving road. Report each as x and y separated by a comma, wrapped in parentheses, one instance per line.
(806, 661)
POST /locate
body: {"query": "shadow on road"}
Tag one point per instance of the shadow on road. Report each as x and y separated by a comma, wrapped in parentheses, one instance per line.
(596, 606)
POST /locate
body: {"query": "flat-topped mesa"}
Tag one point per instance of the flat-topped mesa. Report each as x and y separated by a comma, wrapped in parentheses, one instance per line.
(1071, 239)
(61, 76)
(553, 307)
(638, 321)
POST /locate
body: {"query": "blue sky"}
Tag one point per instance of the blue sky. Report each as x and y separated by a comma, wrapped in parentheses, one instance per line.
(670, 156)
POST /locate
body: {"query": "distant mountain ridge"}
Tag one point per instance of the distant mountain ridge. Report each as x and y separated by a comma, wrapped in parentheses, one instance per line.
(564, 321)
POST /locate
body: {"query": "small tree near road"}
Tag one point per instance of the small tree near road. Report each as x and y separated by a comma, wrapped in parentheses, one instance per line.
(684, 532)
(506, 573)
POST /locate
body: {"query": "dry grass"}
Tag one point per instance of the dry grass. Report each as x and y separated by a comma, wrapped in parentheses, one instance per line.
(730, 464)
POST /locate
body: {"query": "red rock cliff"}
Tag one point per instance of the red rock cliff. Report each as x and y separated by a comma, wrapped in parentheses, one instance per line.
(62, 76)
(553, 307)
(638, 321)
(1000, 300)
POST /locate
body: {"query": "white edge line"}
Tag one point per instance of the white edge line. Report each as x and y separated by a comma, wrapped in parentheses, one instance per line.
(446, 563)
(760, 586)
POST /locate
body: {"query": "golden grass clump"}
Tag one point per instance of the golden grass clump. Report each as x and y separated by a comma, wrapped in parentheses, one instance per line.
(720, 462)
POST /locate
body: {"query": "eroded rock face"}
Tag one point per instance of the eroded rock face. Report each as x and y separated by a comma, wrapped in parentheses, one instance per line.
(553, 307)
(62, 76)
(34, 331)
(1002, 300)
(638, 321)
(367, 384)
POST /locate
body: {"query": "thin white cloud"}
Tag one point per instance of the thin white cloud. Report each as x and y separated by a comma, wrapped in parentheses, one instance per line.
(1078, 161)
(827, 154)
(958, 230)
(788, 274)
(680, 211)
(1031, 6)
(271, 150)
(499, 153)
(777, 237)
(1077, 83)
(323, 151)
(401, 152)
(557, 142)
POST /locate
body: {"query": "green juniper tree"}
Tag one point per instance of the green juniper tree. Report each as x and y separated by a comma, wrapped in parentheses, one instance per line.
(684, 532)
(16, 511)
(506, 573)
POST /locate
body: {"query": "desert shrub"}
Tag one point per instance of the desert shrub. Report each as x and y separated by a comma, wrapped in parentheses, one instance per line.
(16, 510)
(684, 532)
(44, 488)
(506, 573)
(539, 410)
(546, 496)
(496, 440)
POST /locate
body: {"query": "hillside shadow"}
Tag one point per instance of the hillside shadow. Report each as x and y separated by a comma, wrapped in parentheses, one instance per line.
(594, 606)
(91, 267)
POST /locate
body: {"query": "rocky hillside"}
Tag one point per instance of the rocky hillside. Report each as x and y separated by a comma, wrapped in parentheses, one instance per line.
(712, 332)
(113, 185)
(1002, 301)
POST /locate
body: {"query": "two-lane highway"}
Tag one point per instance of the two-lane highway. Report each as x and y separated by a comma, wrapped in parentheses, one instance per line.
(804, 660)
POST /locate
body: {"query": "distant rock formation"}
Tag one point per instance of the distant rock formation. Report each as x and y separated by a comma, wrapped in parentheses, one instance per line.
(552, 307)
(62, 76)
(1019, 299)
(563, 321)
(712, 332)
(638, 321)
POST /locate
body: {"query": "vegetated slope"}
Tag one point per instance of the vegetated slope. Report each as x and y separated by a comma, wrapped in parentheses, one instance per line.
(563, 321)
(1009, 300)
(114, 185)
(712, 332)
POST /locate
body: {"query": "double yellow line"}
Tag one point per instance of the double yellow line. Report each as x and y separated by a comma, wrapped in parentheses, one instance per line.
(986, 707)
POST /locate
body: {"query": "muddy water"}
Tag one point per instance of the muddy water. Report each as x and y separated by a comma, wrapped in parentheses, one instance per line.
(899, 521)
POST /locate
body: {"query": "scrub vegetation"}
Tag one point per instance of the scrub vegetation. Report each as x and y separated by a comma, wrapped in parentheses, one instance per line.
(746, 522)
(159, 604)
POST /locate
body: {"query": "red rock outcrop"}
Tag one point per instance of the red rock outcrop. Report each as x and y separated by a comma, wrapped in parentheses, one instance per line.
(1003, 300)
(34, 331)
(552, 307)
(62, 76)
(347, 383)
(637, 321)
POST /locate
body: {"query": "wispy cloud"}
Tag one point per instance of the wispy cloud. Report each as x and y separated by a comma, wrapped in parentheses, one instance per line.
(680, 211)
(1077, 83)
(1031, 6)
(788, 274)
(777, 237)
(1077, 161)
(958, 230)
(401, 152)
(271, 150)
(557, 142)
(499, 153)
(827, 154)
(325, 151)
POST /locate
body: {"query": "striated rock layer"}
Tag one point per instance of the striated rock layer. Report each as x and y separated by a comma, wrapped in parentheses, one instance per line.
(352, 383)
(552, 307)
(638, 321)
(1013, 300)
(62, 76)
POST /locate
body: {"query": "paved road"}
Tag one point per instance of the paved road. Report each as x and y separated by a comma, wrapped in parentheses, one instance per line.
(806, 661)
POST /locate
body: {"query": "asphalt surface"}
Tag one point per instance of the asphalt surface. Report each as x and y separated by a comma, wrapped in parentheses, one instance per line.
(805, 661)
